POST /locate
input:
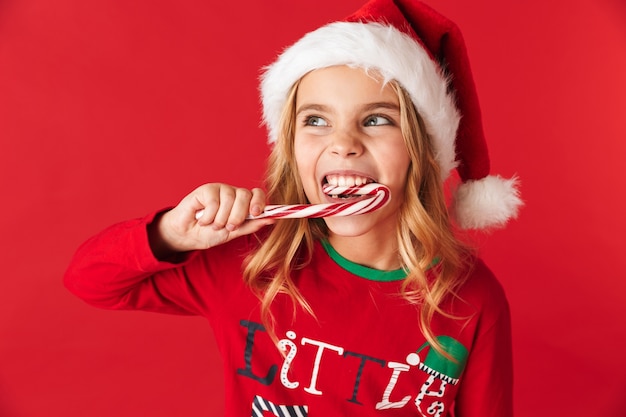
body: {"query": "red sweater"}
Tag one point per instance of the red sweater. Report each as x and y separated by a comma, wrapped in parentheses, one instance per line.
(362, 355)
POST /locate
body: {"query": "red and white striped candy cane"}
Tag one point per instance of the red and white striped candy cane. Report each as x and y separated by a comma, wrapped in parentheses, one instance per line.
(379, 195)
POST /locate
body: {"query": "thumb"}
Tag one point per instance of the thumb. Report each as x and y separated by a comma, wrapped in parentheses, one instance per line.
(251, 226)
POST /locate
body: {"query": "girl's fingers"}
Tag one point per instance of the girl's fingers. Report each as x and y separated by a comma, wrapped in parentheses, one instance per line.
(240, 209)
(206, 203)
(211, 215)
(251, 226)
(226, 201)
(257, 202)
(223, 206)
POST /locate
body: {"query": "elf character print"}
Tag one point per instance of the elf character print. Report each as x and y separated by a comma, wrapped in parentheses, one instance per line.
(437, 371)
(441, 370)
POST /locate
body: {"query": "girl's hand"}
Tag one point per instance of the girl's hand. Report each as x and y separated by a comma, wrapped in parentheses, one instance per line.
(224, 211)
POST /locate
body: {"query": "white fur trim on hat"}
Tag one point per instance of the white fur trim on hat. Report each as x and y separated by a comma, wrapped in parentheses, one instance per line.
(486, 203)
(392, 53)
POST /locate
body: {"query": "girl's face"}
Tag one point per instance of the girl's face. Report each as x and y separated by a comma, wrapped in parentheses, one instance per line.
(348, 133)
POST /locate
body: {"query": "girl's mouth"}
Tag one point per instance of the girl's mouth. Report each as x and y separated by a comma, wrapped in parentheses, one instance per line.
(350, 181)
(347, 180)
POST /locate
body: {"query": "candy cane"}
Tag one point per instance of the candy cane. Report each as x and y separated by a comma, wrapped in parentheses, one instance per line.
(379, 195)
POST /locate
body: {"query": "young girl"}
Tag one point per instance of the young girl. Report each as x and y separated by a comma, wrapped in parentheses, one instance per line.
(384, 313)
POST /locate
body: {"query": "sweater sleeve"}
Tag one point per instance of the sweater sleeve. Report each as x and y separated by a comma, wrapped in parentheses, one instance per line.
(116, 269)
(487, 388)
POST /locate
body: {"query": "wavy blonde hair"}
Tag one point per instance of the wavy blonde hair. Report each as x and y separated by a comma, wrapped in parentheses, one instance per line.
(424, 232)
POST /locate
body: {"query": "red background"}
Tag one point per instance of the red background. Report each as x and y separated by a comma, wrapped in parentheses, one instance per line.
(111, 109)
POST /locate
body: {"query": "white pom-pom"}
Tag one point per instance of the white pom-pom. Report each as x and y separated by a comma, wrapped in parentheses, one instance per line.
(486, 203)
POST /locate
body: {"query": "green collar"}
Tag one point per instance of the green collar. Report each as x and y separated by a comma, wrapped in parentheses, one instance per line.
(363, 271)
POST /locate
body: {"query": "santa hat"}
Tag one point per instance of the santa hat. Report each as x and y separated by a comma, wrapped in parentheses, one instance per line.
(409, 42)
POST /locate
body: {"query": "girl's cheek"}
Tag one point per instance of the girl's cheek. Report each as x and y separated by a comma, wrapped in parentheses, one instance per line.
(305, 163)
(307, 150)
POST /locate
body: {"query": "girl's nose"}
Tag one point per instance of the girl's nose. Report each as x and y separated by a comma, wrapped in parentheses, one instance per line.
(346, 143)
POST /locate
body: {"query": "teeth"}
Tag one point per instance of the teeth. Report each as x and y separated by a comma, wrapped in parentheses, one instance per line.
(346, 180)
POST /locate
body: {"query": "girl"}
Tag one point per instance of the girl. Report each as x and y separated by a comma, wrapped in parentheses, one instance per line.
(384, 313)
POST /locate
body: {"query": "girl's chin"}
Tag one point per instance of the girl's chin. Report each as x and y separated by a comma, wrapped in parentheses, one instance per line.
(349, 226)
(378, 225)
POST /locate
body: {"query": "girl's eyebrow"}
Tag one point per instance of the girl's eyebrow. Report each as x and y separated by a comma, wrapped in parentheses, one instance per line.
(367, 107)
(314, 107)
(382, 105)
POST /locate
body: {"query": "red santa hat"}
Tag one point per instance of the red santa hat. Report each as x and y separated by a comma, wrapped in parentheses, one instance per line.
(409, 42)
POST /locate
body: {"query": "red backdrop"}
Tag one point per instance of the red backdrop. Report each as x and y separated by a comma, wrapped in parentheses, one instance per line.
(111, 109)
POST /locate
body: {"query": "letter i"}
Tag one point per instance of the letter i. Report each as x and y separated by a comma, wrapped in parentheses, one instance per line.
(293, 349)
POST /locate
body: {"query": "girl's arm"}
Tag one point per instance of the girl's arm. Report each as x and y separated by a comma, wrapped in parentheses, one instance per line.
(151, 264)
(487, 387)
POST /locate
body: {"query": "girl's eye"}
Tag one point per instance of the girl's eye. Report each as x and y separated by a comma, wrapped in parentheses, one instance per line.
(315, 121)
(377, 121)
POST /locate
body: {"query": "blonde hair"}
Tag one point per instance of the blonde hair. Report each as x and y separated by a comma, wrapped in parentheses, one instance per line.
(425, 235)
